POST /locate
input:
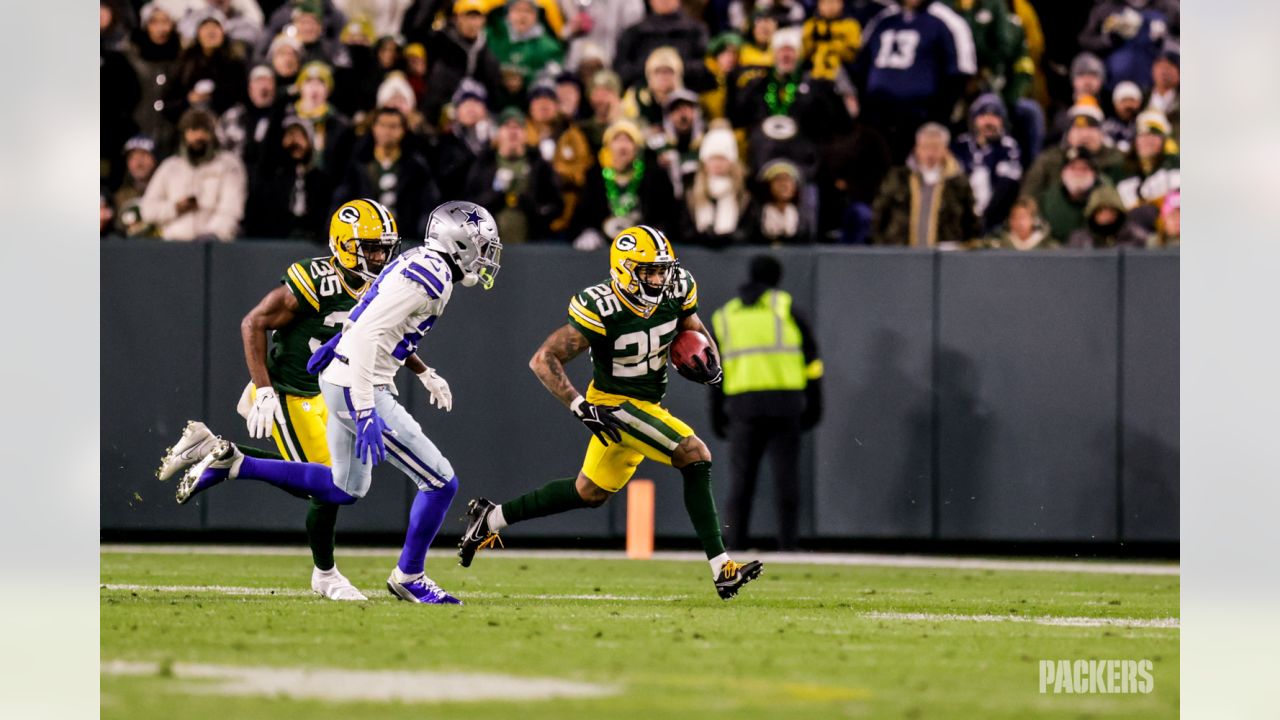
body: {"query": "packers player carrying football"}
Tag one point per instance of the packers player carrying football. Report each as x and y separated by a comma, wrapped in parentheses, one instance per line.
(627, 322)
(283, 399)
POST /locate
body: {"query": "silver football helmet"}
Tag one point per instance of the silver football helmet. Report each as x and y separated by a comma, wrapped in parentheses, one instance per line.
(467, 233)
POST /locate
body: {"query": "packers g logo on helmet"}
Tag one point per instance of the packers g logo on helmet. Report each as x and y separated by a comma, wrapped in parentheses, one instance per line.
(360, 226)
(636, 249)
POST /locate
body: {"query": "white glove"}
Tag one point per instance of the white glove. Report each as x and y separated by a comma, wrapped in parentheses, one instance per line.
(265, 410)
(441, 397)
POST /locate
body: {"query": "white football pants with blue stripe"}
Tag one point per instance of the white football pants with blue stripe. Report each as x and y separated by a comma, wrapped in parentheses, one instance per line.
(408, 448)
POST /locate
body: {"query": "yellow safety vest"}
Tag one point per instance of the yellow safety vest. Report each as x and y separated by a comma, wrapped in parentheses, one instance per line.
(760, 345)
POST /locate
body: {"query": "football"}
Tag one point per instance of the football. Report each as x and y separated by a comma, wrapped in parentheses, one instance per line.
(686, 346)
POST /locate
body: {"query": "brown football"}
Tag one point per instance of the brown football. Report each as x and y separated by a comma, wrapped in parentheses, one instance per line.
(686, 346)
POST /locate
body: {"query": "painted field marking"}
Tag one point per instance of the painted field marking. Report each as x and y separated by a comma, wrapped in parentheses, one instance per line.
(1088, 622)
(355, 685)
(789, 558)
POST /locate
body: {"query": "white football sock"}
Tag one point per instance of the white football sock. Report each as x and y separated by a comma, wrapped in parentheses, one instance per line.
(328, 573)
(403, 577)
(717, 563)
(496, 521)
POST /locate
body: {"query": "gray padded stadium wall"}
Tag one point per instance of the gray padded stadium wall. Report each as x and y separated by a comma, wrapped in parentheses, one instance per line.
(990, 396)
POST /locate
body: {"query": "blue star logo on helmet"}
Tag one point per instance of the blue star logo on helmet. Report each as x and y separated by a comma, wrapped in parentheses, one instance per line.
(473, 217)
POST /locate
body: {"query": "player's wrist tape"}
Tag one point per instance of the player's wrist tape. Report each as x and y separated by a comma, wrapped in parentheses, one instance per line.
(577, 403)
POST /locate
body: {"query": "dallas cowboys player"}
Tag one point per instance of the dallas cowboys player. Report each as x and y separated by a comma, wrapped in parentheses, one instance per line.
(366, 423)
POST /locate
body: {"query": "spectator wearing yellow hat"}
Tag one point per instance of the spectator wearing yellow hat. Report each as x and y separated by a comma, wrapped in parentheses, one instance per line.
(663, 75)
(722, 62)
(1085, 131)
(1151, 169)
(328, 126)
(626, 188)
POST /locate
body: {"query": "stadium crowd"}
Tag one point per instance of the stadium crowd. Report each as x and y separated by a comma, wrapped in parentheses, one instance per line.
(1021, 124)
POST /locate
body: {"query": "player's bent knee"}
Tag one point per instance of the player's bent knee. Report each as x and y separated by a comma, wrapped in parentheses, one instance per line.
(592, 494)
(690, 450)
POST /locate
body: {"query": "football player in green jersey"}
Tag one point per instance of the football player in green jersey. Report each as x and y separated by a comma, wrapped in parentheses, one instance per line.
(627, 323)
(283, 400)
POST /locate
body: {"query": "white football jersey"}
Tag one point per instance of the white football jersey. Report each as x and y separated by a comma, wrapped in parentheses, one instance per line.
(386, 327)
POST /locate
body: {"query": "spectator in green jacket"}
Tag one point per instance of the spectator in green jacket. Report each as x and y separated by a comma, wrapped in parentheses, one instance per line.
(1085, 132)
(518, 38)
(1065, 201)
(1107, 225)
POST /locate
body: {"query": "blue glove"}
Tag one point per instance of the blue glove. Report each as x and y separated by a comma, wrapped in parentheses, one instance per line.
(323, 355)
(369, 429)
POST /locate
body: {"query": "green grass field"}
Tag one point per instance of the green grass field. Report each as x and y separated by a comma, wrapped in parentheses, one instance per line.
(804, 641)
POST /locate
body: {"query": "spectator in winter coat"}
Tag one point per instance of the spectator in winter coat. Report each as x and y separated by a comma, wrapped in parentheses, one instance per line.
(1165, 80)
(1065, 200)
(1151, 169)
(389, 169)
(831, 40)
(460, 51)
(209, 57)
(1025, 230)
(1169, 228)
(140, 165)
(721, 62)
(626, 188)
(927, 202)
(1088, 75)
(780, 215)
(516, 183)
(330, 129)
(604, 95)
(1126, 103)
(289, 195)
(517, 38)
(285, 56)
(1129, 34)
(562, 144)
(915, 61)
(787, 90)
(154, 52)
(243, 129)
(199, 193)
(467, 136)
(663, 75)
(991, 159)
(717, 198)
(1106, 223)
(667, 25)
(1085, 132)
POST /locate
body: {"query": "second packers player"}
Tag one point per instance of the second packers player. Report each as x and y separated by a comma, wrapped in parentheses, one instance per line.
(627, 322)
(283, 400)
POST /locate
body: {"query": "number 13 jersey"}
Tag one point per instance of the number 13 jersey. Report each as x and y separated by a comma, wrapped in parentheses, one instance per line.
(628, 350)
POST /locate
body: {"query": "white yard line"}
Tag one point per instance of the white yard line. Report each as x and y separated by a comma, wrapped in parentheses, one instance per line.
(855, 559)
(1088, 622)
(1037, 620)
(298, 592)
(355, 685)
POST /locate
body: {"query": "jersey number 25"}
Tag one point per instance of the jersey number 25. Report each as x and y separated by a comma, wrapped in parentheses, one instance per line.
(650, 350)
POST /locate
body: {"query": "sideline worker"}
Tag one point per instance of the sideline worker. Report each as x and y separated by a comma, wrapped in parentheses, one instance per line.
(772, 392)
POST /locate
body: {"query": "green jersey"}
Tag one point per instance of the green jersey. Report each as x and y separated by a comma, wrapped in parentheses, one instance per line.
(629, 351)
(324, 299)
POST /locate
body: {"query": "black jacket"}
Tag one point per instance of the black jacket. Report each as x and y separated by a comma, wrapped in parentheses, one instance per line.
(451, 59)
(540, 202)
(416, 190)
(677, 30)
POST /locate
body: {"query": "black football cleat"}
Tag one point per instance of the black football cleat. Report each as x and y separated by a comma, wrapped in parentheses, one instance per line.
(477, 536)
(734, 575)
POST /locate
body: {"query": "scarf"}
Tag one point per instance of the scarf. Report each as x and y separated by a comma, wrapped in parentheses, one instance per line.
(718, 213)
(779, 223)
